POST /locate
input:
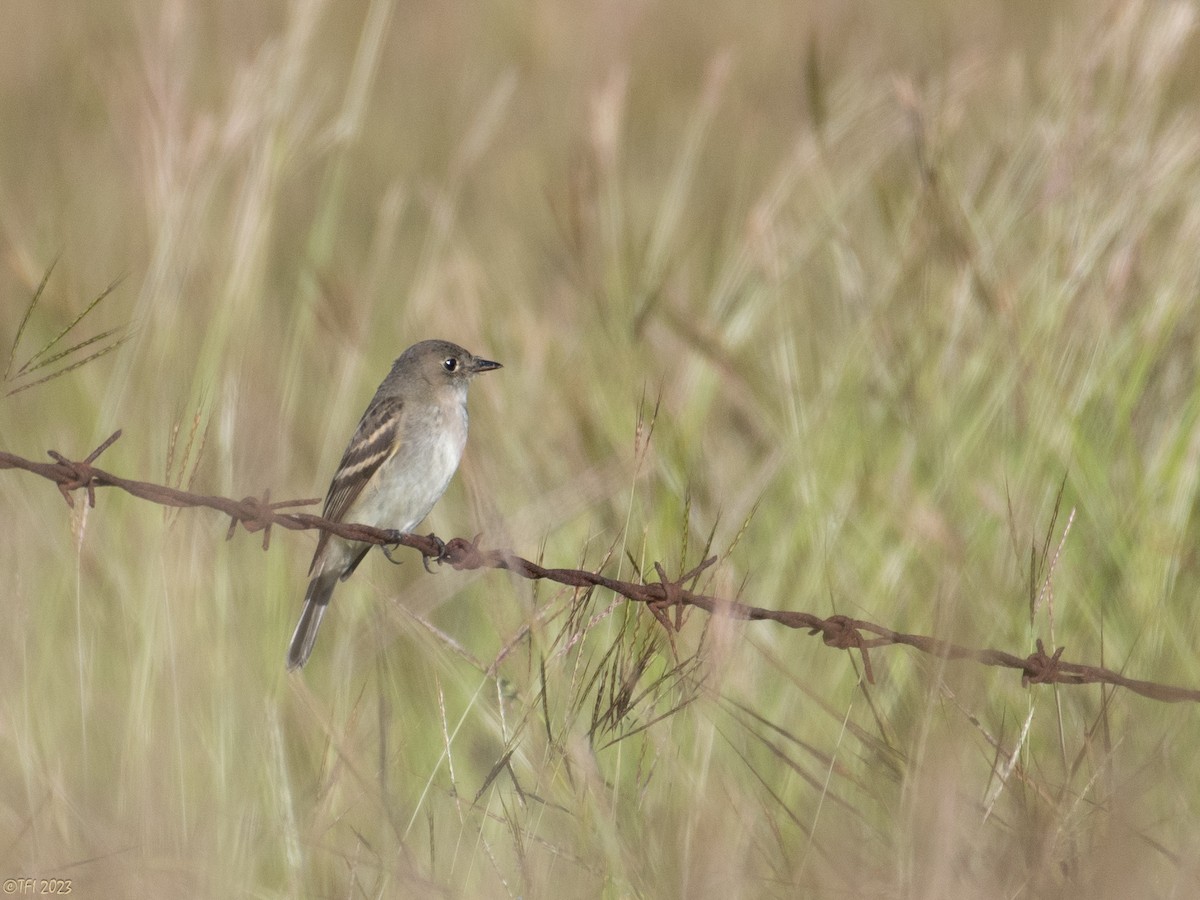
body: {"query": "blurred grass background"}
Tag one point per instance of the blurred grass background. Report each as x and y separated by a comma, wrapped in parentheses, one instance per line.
(892, 271)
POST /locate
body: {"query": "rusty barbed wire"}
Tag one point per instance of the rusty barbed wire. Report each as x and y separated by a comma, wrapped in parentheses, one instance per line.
(842, 632)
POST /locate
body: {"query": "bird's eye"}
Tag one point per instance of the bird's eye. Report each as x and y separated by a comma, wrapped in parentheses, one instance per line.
(450, 364)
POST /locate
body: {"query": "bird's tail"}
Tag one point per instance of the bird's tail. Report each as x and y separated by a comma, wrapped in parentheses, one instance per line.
(316, 601)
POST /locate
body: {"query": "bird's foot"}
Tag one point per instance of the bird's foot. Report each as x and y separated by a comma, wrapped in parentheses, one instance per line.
(441, 552)
(389, 548)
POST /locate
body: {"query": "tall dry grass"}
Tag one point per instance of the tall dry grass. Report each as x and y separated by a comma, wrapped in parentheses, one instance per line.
(889, 273)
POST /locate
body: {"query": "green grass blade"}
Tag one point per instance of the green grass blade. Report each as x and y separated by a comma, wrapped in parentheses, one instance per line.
(37, 295)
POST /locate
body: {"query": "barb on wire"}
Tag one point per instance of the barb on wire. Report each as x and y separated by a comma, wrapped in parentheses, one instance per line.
(841, 632)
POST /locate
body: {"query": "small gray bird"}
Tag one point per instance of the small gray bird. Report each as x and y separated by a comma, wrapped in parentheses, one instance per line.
(399, 462)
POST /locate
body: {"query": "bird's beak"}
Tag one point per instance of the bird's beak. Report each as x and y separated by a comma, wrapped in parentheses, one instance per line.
(484, 365)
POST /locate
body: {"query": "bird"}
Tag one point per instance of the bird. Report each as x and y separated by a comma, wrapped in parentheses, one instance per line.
(397, 465)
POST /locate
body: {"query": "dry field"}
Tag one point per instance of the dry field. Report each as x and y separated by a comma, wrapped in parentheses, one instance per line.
(892, 275)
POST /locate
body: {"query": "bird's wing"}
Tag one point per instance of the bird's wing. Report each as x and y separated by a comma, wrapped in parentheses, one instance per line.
(374, 441)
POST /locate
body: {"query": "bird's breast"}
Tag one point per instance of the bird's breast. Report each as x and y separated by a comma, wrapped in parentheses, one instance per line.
(410, 482)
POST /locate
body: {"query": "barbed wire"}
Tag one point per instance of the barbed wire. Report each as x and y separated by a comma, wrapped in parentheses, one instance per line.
(842, 632)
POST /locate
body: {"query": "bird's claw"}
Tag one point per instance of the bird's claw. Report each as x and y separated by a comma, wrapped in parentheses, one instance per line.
(441, 554)
(425, 557)
(388, 548)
